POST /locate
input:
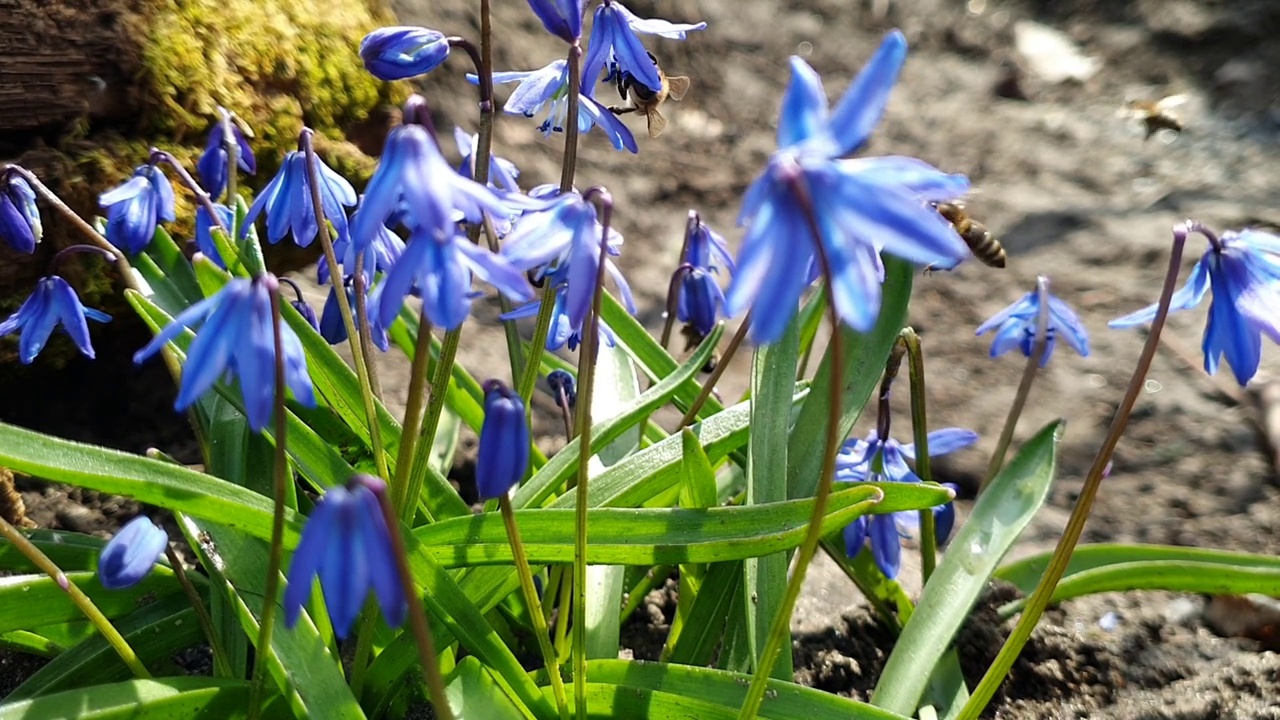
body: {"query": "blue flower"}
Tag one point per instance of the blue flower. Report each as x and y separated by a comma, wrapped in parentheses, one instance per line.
(287, 201)
(130, 555)
(334, 330)
(561, 381)
(347, 544)
(52, 302)
(860, 207)
(212, 166)
(700, 295)
(566, 238)
(561, 332)
(19, 217)
(396, 53)
(503, 456)
(237, 338)
(204, 232)
(1017, 327)
(562, 18)
(1242, 269)
(135, 208)
(379, 256)
(549, 87)
(879, 459)
(614, 44)
(502, 172)
(441, 270)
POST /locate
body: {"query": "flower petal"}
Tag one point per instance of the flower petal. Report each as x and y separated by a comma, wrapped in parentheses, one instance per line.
(863, 103)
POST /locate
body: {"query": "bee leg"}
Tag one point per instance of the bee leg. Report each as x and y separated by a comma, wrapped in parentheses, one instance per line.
(620, 110)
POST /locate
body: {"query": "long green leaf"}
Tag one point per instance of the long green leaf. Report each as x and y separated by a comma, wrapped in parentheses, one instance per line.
(29, 601)
(865, 356)
(474, 695)
(1025, 573)
(999, 517)
(707, 616)
(161, 699)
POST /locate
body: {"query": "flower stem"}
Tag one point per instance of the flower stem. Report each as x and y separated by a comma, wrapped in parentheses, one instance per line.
(920, 429)
(362, 324)
(1024, 386)
(673, 291)
(535, 606)
(267, 622)
(709, 386)
(220, 666)
(412, 422)
(430, 422)
(81, 601)
(202, 195)
(586, 385)
(1084, 502)
(569, 167)
(417, 616)
(344, 307)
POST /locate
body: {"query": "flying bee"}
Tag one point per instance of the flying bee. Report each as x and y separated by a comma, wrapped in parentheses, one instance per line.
(980, 240)
(644, 100)
(692, 339)
(1156, 115)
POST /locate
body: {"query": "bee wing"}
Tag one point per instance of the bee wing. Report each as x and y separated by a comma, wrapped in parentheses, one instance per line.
(1170, 102)
(677, 87)
(657, 123)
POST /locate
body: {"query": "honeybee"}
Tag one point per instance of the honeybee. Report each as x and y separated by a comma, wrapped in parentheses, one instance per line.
(980, 240)
(644, 100)
(692, 339)
(1156, 115)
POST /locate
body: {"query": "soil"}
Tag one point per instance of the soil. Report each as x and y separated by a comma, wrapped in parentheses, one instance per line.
(1072, 190)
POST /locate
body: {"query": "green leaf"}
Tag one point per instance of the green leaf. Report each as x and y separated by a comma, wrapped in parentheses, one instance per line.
(998, 518)
(706, 620)
(161, 699)
(864, 359)
(68, 550)
(664, 536)
(29, 601)
(697, 478)
(1025, 573)
(473, 694)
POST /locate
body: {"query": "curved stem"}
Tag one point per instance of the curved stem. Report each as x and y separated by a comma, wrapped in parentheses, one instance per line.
(920, 430)
(673, 301)
(1039, 599)
(220, 666)
(709, 386)
(202, 195)
(430, 422)
(530, 593)
(267, 622)
(1024, 386)
(81, 601)
(782, 621)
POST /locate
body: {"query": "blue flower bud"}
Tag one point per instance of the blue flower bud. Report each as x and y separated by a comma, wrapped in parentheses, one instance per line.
(562, 18)
(306, 312)
(562, 382)
(396, 53)
(135, 208)
(504, 441)
(19, 217)
(131, 554)
(212, 165)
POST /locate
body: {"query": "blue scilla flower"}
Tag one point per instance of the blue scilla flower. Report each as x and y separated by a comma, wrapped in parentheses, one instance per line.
(614, 44)
(562, 332)
(204, 232)
(566, 238)
(503, 456)
(1017, 327)
(1242, 269)
(549, 87)
(129, 556)
(288, 205)
(441, 271)
(700, 297)
(502, 172)
(860, 207)
(212, 166)
(135, 208)
(334, 330)
(347, 544)
(562, 18)
(237, 338)
(560, 381)
(379, 256)
(396, 53)
(52, 302)
(879, 459)
(19, 217)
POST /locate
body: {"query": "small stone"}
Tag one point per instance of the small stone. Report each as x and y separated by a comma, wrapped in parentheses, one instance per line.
(1051, 54)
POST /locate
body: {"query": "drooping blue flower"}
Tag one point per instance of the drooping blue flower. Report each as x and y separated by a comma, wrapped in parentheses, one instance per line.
(502, 172)
(566, 239)
(561, 382)
(441, 270)
(561, 332)
(562, 18)
(19, 217)
(700, 297)
(879, 459)
(135, 208)
(52, 302)
(334, 330)
(204, 232)
(1243, 271)
(287, 201)
(860, 206)
(1017, 327)
(379, 256)
(237, 338)
(400, 52)
(129, 556)
(347, 544)
(503, 456)
(212, 166)
(549, 87)
(614, 44)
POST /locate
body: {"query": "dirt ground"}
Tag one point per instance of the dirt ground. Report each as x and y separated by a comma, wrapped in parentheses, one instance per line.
(1072, 190)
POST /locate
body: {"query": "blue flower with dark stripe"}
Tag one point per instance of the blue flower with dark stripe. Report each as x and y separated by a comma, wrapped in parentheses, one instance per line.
(548, 87)
(1016, 327)
(700, 299)
(53, 302)
(237, 338)
(503, 456)
(129, 556)
(212, 166)
(615, 45)
(347, 544)
(289, 207)
(136, 208)
(562, 18)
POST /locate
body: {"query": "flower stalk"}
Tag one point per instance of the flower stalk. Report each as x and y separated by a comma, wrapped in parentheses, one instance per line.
(920, 431)
(709, 386)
